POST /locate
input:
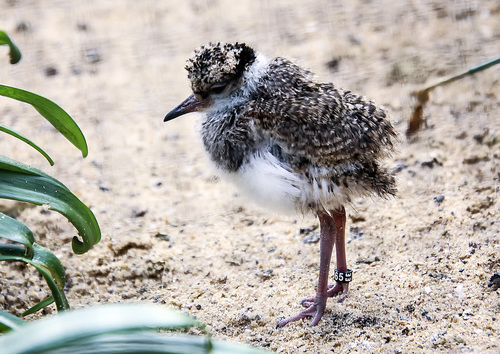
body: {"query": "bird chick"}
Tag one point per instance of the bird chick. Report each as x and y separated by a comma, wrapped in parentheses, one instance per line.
(292, 143)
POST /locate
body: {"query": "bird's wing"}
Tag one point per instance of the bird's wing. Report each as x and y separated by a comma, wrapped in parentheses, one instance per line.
(318, 121)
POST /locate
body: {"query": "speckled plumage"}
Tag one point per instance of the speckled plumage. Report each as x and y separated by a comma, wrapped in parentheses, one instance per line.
(292, 142)
(217, 63)
(329, 138)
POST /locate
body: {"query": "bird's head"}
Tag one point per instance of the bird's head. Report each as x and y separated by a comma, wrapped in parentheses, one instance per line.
(215, 72)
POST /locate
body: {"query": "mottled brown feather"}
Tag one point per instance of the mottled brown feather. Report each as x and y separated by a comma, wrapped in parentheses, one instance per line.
(318, 120)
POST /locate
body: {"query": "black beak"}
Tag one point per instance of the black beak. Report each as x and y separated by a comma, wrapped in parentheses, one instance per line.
(190, 104)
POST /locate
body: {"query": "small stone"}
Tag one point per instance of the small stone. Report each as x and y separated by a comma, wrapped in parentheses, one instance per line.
(139, 213)
(265, 274)
(333, 64)
(104, 188)
(92, 55)
(368, 260)
(163, 237)
(311, 239)
(356, 232)
(431, 163)
(197, 294)
(494, 283)
(82, 27)
(468, 313)
(439, 341)
(235, 261)
(50, 71)
(461, 136)
(307, 230)
(486, 138)
(439, 199)
(357, 218)
(471, 160)
(221, 280)
(484, 204)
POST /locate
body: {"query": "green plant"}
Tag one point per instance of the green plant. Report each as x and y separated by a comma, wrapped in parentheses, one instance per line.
(115, 328)
(23, 183)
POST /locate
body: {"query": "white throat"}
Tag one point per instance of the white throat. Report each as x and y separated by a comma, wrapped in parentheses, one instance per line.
(252, 75)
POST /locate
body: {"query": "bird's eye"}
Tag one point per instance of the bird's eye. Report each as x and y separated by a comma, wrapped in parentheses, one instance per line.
(200, 95)
(218, 87)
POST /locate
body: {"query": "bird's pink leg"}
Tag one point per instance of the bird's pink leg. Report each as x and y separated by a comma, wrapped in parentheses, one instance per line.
(317, 305)
(339, 287)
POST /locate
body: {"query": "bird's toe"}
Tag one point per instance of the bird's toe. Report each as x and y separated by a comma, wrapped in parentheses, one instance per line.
(315, 310)
(339, 288)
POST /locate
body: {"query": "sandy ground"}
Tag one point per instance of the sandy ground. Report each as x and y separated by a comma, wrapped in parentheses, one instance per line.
(173, 233)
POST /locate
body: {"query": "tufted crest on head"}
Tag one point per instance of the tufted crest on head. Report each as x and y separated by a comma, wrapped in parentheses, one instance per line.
(217, 63)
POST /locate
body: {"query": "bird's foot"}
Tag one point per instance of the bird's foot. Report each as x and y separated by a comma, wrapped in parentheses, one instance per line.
(315, 310)
(337, 288)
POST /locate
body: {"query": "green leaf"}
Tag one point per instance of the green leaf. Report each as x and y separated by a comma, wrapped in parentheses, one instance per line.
(143, 342)
(115, 328)
(16, 231)
(46, 263)
(9, 322)
(27, 141)
(14, 52)
(44, 303)
(61, 120)
(471, 71)
(51, 333)
(27, 184)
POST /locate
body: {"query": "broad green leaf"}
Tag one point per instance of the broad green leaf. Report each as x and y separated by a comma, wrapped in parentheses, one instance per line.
(16, 166)
(27, 141)
(44, 303)
(16, 231)
(144, 342)
(54, 332)
(10, 252)
(58, 117)
(53, 271)
(9, 322)
(27, 184)
(14, 52)
(46, 263)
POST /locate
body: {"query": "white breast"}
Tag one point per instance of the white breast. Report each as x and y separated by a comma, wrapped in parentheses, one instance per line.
(272, 185)
(268, 183)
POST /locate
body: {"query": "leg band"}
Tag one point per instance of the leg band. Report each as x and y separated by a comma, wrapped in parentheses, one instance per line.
(343, 277)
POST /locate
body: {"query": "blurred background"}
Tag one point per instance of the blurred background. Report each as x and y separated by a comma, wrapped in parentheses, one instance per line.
(174, 233)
